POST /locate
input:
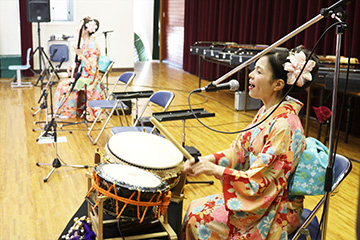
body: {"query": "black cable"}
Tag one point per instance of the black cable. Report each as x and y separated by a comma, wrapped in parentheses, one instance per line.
(118, 227)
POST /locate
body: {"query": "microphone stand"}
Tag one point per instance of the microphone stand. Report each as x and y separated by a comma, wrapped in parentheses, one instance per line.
(43, 105)
(52, 126)
(44, 95)
(329, 170)
(106, 42)
(105, 35)
(41, 57)
(336, 11)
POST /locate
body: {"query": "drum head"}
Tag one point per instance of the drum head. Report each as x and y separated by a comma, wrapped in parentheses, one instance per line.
(145, 150)
(130, 177)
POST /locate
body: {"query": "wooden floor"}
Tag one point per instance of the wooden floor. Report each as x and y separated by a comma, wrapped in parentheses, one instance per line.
(32, 209)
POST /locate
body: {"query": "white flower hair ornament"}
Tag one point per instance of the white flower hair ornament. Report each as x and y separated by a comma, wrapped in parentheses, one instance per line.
(294, 67)
(91, 26)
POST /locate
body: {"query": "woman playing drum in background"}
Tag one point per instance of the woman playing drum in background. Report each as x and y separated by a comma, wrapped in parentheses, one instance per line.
(89, 56)
(255, 169)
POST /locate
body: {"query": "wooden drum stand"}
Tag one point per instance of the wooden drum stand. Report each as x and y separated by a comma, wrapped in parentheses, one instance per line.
(97, 220)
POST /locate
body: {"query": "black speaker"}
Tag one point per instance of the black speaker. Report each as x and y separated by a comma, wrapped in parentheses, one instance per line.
(38, 10)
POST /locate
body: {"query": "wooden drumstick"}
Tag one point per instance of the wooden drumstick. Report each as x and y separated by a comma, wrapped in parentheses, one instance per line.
(163, 131)
(178, 189)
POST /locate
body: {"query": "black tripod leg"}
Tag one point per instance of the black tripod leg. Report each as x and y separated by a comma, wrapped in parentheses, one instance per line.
(56, 164)
(50, 63)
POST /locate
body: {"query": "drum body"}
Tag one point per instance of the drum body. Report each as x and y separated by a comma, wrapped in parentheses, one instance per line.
(146, 151)
(134, 194)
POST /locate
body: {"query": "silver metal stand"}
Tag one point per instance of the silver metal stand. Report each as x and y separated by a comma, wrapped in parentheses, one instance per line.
(329, 170)
(45, 73)
(56, 162)
(44, 97)
(106, 44)
(52, 126)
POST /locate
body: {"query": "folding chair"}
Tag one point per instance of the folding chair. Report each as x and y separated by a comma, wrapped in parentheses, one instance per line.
(110, 104)
(18, 69)
(105, 67)
(160, 98)
(309, 223)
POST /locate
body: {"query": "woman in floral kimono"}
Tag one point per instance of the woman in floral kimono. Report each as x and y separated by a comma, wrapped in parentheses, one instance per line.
(255, 169)
(89, 56)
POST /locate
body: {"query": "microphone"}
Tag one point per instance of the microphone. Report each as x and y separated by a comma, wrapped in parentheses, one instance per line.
(110, 31)
(232, 85)
(53, 54)
(61, 62)
(67, 37)
(77, 76)
(328, 11)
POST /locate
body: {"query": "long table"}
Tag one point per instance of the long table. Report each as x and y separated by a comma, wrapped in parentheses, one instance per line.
(325, 80)
(224, 53)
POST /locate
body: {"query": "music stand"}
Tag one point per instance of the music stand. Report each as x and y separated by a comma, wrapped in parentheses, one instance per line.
(183, 115)
(47, 132)
(133, 95)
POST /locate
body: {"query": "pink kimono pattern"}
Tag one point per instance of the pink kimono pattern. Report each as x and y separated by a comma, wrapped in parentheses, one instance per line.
(254, 203)
(75, 103)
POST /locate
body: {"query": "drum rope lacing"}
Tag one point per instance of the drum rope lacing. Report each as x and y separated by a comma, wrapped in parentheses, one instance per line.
(162, 200)
(102, 157)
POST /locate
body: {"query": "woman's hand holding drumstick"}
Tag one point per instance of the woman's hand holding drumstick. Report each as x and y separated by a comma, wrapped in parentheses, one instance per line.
(194, 166)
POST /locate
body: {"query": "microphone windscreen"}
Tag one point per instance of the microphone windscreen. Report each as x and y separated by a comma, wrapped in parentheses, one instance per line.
(234, 85)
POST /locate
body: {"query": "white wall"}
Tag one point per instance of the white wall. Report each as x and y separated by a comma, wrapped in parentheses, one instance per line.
(9, 27)
(116, 15)
(143, 23)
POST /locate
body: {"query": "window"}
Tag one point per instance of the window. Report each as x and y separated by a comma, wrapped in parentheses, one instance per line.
(62, 10)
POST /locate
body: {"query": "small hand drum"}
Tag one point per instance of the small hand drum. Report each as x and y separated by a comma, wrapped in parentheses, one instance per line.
(147, 151)
(134, 194)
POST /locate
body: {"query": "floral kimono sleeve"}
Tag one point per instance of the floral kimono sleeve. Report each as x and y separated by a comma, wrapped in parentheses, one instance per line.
(254, 190)
(233, 158)
(92, 53)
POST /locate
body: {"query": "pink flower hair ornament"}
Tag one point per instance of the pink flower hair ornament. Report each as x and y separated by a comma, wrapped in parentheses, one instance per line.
(294, 67)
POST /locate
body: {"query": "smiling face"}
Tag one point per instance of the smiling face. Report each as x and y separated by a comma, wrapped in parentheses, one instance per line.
(262, 85)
